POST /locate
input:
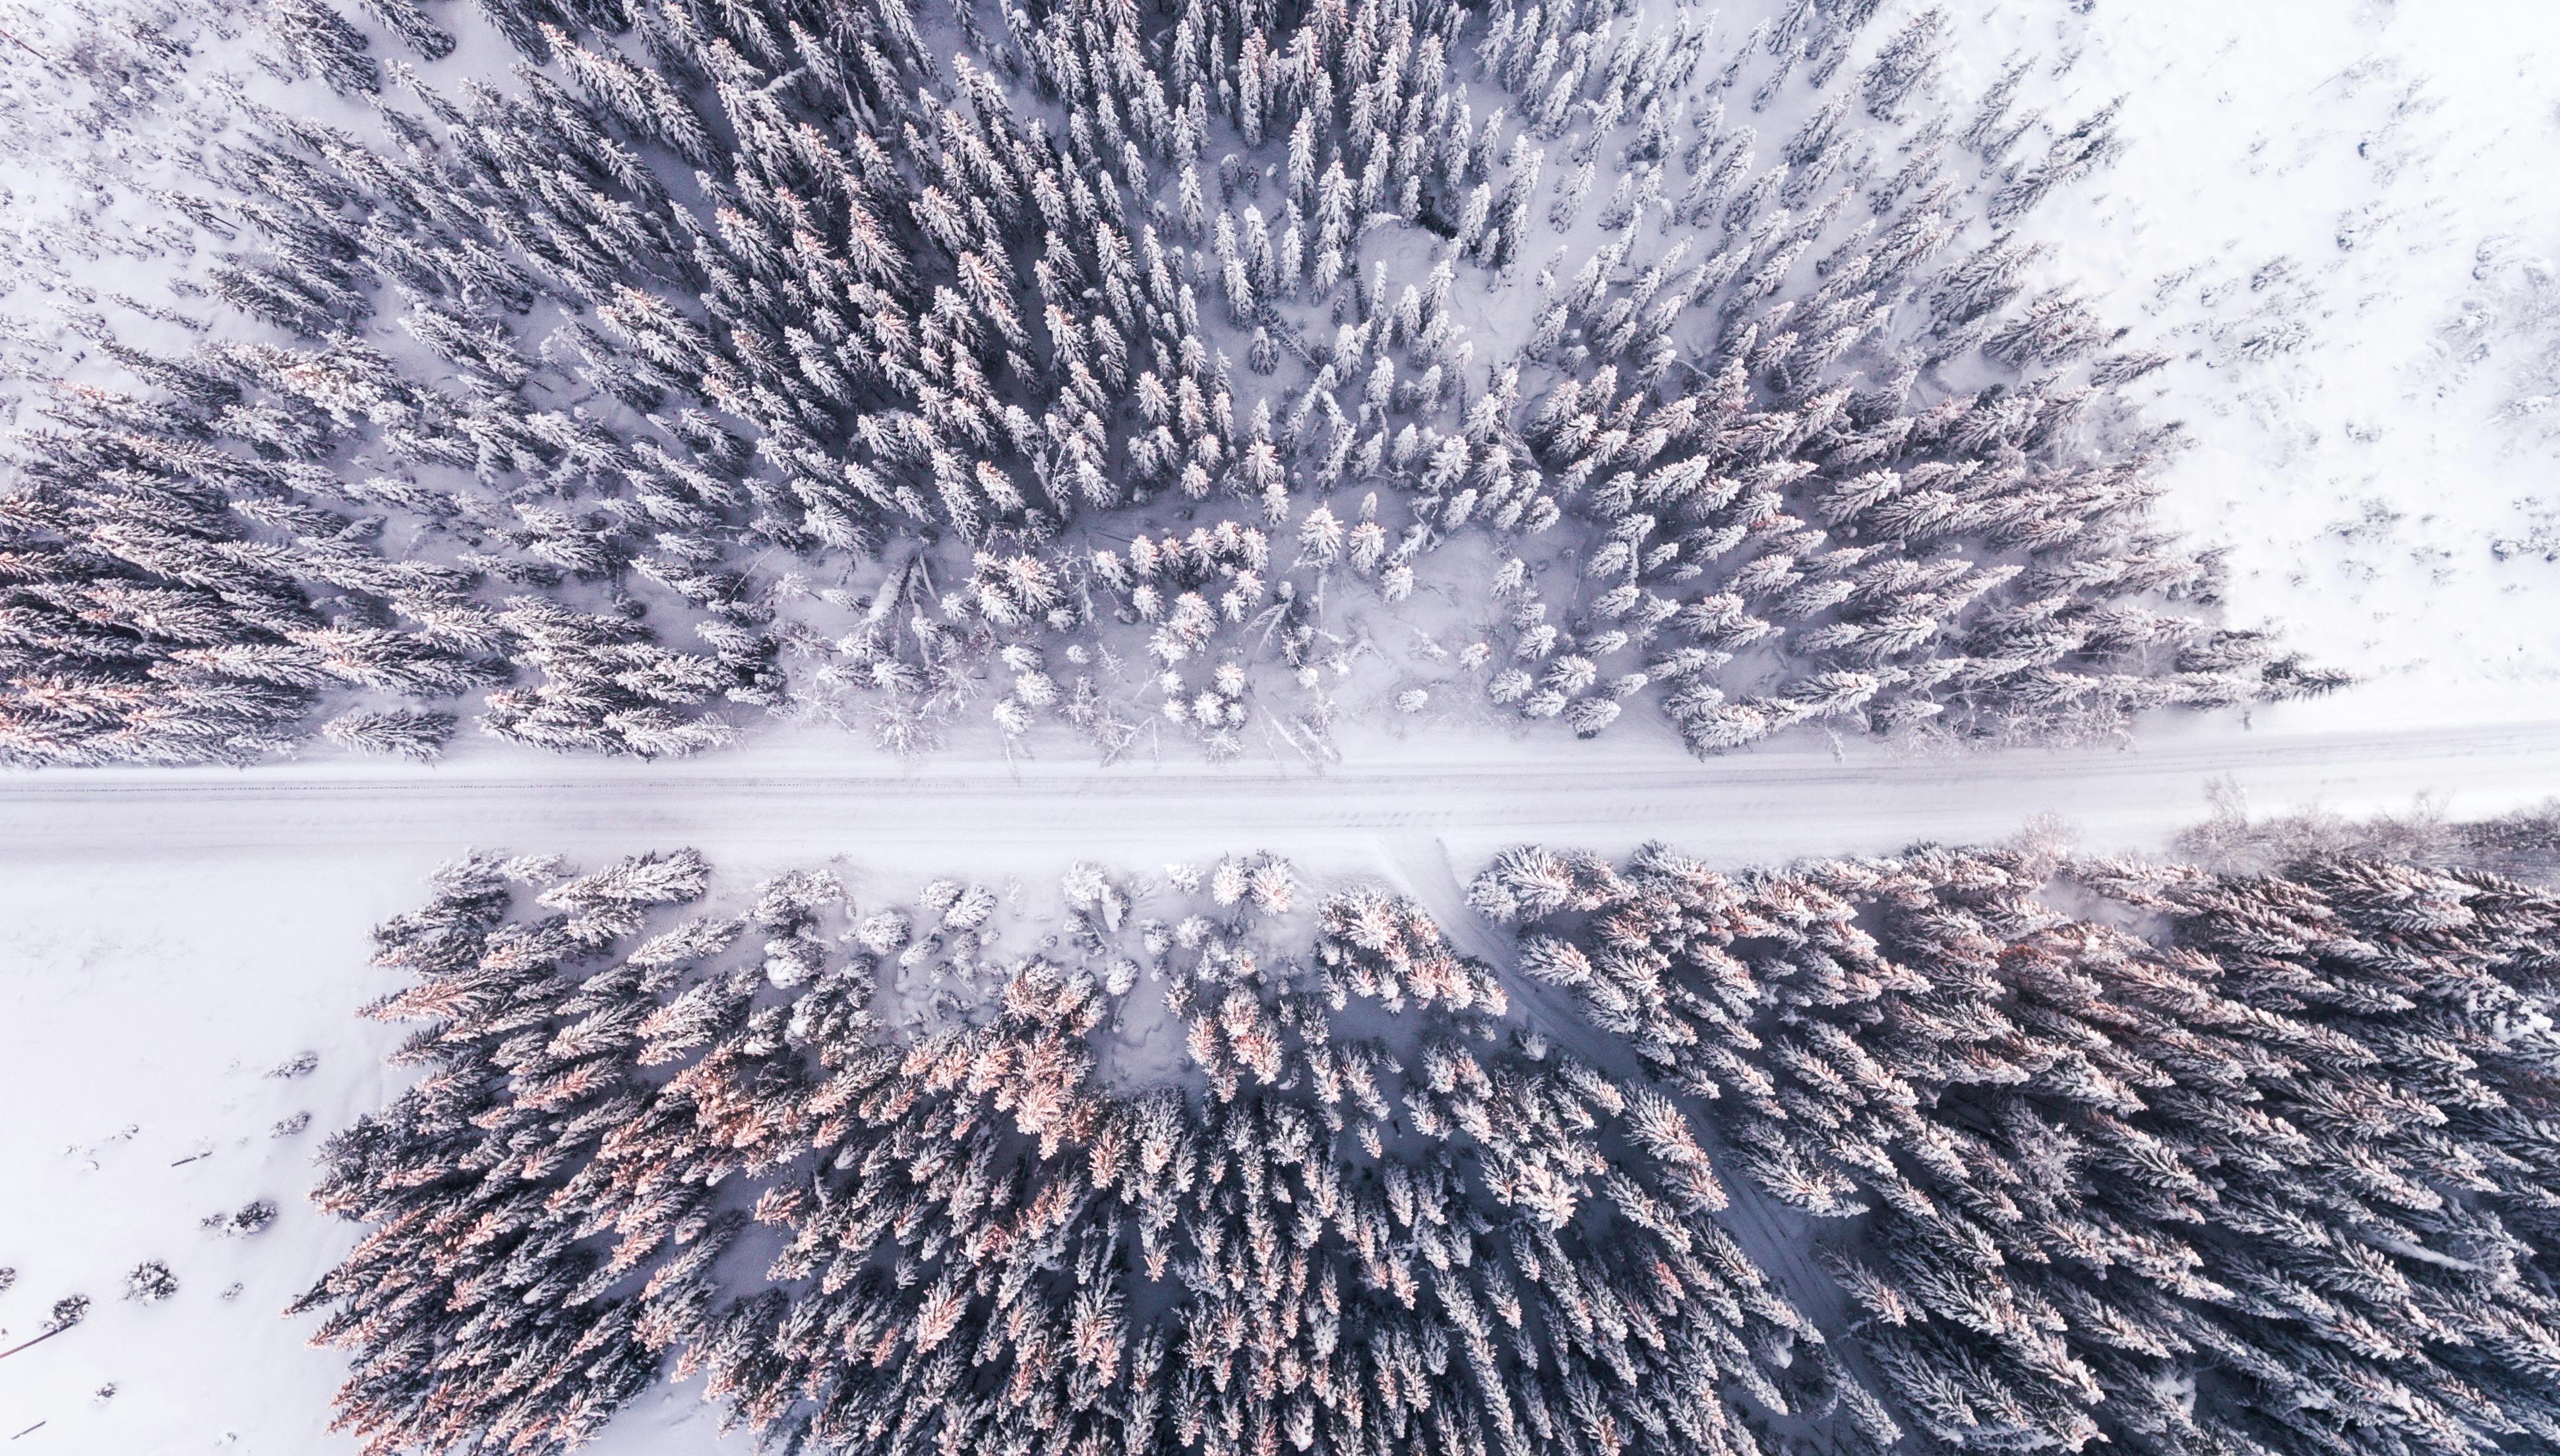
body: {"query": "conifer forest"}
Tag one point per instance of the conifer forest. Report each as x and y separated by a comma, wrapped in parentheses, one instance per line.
(1278, 728)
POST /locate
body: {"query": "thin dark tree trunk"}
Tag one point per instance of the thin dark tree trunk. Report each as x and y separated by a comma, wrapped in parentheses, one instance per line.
(30, 1343)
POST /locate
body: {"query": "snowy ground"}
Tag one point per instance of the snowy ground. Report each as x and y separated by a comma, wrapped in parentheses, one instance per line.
(172, 940)
(2333, 217)
(146, 1003)
(2337, 220)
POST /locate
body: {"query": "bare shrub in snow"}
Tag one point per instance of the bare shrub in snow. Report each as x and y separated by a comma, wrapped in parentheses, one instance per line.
(150, 1283)
(245, 1221)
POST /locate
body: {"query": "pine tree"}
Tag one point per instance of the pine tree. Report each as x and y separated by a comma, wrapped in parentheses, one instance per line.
(319, 38)
(400, 731)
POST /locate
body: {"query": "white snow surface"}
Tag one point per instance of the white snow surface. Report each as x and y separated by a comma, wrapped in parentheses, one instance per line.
(803, 794)
(2364, 431)
(2336, 218)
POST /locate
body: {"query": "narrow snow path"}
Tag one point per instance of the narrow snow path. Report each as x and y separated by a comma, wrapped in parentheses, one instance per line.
(791, 797)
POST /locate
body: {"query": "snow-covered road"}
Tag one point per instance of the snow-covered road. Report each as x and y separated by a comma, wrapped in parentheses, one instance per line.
(800, 798)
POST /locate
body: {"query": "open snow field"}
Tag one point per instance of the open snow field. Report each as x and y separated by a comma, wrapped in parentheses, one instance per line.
(2335, 219)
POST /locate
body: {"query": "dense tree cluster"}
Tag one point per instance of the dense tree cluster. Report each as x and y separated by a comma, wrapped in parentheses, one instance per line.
(1082, 365)
(1883, 1154)
(146, 620)
(1367, 1222)
(2276, 1177)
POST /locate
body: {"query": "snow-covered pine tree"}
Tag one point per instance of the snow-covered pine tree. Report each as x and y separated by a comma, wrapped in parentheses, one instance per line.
(973, 1234)
(864, 309)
